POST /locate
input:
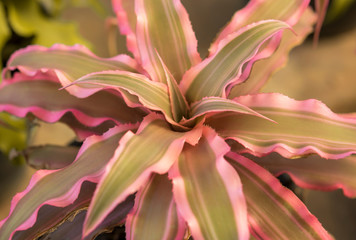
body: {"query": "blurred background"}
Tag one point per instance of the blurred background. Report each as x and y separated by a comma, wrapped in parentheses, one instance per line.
(326, 72)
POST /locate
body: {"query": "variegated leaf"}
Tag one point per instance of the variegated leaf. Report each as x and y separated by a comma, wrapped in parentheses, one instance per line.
(208, 192)
(263, 69)
(211, 77)
(88, 166)
(153, 148)
(213, 105)
(257, 10)
(164, 26)
(301, 127)
(179, 105)
(274, 212)
(315, 172)
(153, 95)
(155, 209)
(126, 18)
(40, 96)
(50, 217)
(72, 228)
(71, 62)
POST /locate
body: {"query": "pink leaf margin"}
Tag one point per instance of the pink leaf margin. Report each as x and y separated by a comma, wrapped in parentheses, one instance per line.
(284, 193)
(243, 14)
(258, 54)
(161, 167)
(124, 27)
(61, 47)
(230, 178)
(44, 114)
(284, 102)
(73, 193)
(138, 205)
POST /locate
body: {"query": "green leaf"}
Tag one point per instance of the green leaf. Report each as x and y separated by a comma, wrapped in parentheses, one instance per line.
(153, 148)
(208, 192)
(274, 211)
(211, 77)
(4, 31)
(27, 19)
(155, 209)
(14, 135)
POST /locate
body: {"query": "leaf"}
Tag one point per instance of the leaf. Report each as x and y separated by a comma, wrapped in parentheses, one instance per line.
(88, 166)
(321, 7)
(126, 19)
(4, 31)
(69, 63)
(210, 77)
(274, 211)
(337, 9)
(263, 69)
(14, 134)
(208, 192)
(314, 172)
(50, 156)
(155, 209)
(27, 19)
(151, 94)
(153, 148)
(164, 26)
(179, 105)
(213, 105)
(83, 131)
(72, 229)
(256, 10)
(50, 217)
(302, 127)
(40, 96)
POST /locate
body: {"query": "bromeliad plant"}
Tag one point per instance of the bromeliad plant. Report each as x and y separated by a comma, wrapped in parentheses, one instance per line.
(166, 134)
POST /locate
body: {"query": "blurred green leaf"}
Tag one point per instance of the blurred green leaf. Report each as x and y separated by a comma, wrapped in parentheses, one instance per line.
(4, 31)
(13, 134)
(337, 8)
(27, 19)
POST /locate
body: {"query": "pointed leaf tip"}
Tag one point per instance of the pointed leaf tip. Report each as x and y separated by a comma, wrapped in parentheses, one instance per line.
(215, 73)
